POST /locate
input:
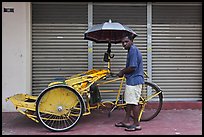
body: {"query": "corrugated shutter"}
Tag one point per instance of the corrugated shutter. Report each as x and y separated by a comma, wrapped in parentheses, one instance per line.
(177, 50)
(58, 47)
(58, 30)
(134, 16)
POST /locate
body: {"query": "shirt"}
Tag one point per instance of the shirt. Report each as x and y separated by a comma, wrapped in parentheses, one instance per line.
(134, 59)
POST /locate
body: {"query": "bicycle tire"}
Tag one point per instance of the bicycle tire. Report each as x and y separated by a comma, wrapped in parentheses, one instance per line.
(59, 108)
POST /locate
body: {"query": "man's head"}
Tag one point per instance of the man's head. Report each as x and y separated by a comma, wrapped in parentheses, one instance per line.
(127, 41)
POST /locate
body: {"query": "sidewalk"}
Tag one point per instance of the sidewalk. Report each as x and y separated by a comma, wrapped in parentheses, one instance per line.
(168, 122)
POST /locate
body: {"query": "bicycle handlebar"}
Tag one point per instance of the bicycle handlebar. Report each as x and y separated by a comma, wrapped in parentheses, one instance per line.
(113, 74)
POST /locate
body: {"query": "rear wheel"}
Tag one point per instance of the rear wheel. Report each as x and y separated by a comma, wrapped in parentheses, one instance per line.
(59, 108)
(152, 100)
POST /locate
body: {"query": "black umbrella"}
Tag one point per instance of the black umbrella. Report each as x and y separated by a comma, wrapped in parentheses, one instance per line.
(108, 32)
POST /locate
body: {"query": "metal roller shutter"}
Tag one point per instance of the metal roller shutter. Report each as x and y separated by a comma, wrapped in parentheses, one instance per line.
(177, 50)
(173, 40)
(134, 16)
(58, 48)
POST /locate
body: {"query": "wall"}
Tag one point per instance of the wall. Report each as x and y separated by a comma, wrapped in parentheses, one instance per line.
(16, 51)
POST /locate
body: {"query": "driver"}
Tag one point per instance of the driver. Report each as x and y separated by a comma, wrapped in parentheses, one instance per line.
(133, 73)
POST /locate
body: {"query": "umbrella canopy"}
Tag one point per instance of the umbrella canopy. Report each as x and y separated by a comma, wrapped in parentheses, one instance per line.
(108, 32)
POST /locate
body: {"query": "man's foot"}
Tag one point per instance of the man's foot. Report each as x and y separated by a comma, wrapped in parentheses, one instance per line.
(121, 124)
(133, 128)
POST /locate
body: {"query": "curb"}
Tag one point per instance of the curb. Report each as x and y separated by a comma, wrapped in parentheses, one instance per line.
(181, 105)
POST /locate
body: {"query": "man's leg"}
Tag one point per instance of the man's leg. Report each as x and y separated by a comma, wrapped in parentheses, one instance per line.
(128, 113)
(136, 109)
(136, 125)
(126, 121)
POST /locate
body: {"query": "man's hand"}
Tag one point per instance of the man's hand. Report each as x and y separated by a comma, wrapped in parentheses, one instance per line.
(125, 71)
(120, 74)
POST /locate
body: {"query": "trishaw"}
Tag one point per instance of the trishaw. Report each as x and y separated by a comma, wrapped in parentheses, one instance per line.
(60, 106)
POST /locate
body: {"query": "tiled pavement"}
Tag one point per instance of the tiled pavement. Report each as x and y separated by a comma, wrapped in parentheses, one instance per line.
(168, 122)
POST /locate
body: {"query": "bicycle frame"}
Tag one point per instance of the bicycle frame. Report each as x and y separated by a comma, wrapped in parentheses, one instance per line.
(143, 102)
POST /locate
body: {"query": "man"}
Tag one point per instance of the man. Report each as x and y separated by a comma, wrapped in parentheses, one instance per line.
(134, 80)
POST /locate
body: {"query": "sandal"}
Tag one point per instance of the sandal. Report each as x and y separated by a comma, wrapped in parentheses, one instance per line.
(133, 128)
(121, 124)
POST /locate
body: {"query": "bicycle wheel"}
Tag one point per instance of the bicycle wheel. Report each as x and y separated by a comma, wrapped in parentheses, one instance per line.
(151, 101)
(59, 108)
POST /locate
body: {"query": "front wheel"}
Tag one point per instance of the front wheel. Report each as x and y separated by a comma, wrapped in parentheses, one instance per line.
(59, 108)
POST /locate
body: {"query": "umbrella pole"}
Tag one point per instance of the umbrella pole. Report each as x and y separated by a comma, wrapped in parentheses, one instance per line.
(109, 64)
(109, 52)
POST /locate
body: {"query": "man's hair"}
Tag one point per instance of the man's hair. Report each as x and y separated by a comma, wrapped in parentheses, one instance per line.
(129, 36)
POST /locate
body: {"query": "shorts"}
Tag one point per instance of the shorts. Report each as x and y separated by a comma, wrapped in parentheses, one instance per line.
(132, 94)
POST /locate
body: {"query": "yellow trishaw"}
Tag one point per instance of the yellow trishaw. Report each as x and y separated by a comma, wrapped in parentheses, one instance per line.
(60, 106)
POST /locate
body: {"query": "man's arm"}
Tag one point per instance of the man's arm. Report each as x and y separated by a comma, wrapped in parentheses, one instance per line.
(126, 71)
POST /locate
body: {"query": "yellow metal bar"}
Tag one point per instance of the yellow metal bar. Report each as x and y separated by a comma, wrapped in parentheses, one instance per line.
(121, 84)
(109, 81)
(119, 105)
(153, 95)
(107, 102)
(34, 118)
(86, 113)
(108, 90)
(146, 75)
(141, 111)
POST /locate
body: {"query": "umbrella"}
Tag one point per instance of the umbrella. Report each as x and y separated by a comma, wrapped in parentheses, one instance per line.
(108, 32)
